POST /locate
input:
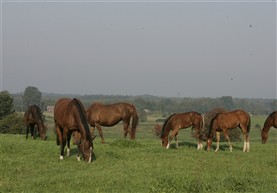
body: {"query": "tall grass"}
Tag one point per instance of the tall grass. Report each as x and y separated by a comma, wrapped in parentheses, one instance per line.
(138, 166)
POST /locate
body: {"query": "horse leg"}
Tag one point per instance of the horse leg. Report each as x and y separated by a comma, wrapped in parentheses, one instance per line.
(98, 126)
(217, 140)
(61, 141)
(27, 131)
(32, 131)
(126, 128)
(246, 144)
(173, 134)
(199, 145)
(69, 133)
(176, 141)
(228, 138)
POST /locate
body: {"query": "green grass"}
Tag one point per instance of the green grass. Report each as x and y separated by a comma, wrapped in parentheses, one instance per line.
(138, 166)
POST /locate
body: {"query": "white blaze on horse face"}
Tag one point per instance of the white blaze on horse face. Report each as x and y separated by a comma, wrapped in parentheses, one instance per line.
(90, 150)
(167, 147)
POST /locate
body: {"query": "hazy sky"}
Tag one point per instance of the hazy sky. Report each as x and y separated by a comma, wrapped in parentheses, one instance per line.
(180, 49)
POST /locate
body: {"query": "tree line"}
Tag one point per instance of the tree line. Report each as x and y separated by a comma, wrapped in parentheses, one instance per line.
(12, 104)
(165, 105)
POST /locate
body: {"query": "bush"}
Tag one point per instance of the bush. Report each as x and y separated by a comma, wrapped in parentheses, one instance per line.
(13, 124)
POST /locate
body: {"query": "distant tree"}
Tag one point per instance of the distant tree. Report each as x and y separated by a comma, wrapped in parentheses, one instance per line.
(32, 96)
(6, 104)
(227, 102)
(13, 124)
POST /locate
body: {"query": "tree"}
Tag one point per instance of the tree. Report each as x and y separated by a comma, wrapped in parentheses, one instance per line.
(32, 96)
(6, 104)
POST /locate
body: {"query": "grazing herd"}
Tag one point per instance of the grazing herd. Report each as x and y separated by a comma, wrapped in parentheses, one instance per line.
(71, 119)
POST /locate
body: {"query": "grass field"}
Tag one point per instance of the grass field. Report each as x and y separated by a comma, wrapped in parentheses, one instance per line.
(139, 166)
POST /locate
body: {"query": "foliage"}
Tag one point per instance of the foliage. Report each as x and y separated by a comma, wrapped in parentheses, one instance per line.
(157, 130)
(32, 96)
(6, 104)
(13, 123)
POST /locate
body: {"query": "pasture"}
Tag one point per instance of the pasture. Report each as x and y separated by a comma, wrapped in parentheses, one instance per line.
(139, 166)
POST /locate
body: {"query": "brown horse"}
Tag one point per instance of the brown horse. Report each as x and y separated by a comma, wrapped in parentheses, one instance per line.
(180, 121)
(32, 118)
(229, 120)
(69, 116)
(99, 115)
(271, 121)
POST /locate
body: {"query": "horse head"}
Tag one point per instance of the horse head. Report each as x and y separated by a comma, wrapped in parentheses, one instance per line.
(264, 136)
(165, 141)
(86, 148)
(42, 132)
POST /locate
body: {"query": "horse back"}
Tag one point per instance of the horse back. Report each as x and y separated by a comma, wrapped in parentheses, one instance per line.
(232, 119)
(64, 113)
(109, 115)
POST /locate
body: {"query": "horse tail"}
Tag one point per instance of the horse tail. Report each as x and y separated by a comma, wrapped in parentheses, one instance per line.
(135, 120)
(165, 124)
(249, 124)
(83, 118)
(202, 124)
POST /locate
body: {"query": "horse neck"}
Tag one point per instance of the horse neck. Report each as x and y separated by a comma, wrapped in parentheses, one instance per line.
(166, 127)
(268, 123)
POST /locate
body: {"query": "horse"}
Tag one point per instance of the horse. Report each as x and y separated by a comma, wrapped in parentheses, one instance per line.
(271, 121)
(229, 120)
(99, 115)
(181, 121)
(32, 118)
(69, 116)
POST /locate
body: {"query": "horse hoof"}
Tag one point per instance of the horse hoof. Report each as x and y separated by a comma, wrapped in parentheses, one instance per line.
(78, 158)
(61, 157)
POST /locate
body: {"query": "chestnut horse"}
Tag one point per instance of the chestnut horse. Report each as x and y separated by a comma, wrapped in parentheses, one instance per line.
(271, 121)
(69, 116)
(182, 121)
(99, 115)
(229, 120)
(32, 118)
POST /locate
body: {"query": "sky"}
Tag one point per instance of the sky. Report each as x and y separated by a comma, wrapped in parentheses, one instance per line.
(160, 48)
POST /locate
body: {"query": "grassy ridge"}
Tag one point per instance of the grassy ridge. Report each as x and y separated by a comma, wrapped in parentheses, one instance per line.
(138, 166)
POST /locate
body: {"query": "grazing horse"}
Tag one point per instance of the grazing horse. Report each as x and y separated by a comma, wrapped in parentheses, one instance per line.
(99, 115)
(32, 118)
(271, 121)
(229, 120)
(69, 116)
(180, 121)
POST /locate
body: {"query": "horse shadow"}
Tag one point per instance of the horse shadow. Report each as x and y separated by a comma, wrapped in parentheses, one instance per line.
(186, 144)
(74, 152)
(223, 147)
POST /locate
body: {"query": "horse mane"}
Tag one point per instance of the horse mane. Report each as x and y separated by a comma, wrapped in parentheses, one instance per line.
(83, 118)
(165, 123)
